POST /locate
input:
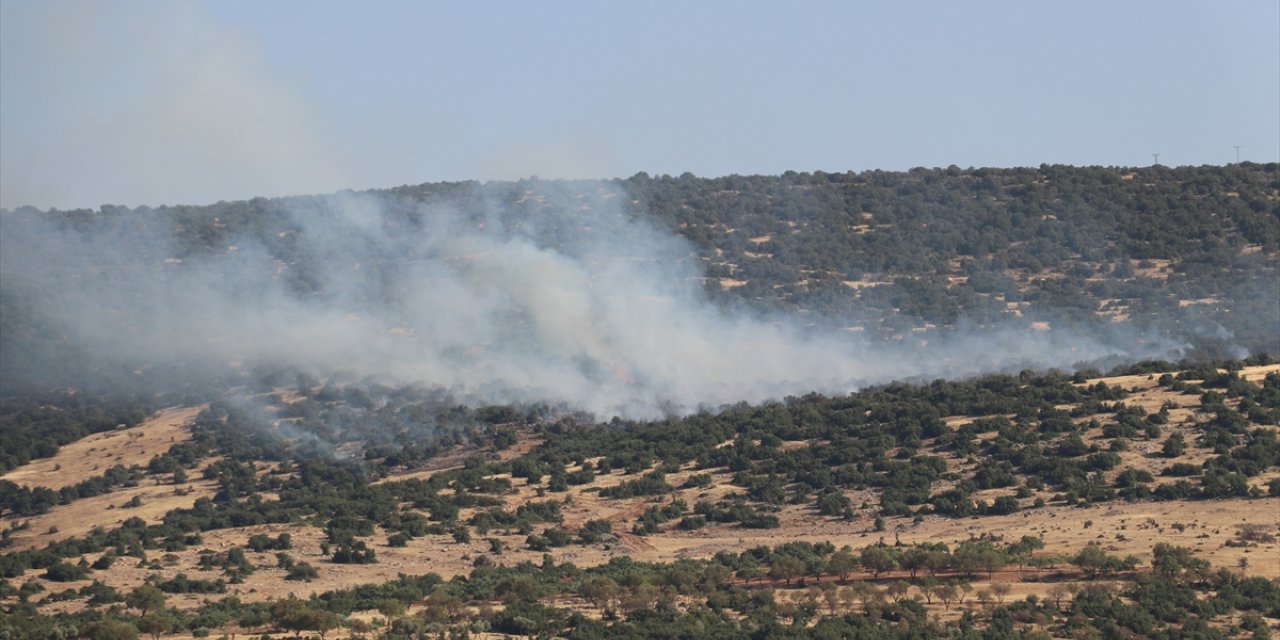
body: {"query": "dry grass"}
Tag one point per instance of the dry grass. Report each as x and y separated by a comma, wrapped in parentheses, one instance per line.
(81, 516)
(92, 456)
(1210, 528)
(95, 454)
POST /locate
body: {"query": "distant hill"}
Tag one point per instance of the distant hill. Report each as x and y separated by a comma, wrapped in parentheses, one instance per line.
(1190, 253)
(1193, 249)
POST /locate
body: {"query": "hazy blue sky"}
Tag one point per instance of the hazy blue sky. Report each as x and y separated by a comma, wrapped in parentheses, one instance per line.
(157, 102)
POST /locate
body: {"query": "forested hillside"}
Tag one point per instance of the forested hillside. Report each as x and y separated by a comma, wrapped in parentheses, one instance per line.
(1182, 246)
(1190, 253)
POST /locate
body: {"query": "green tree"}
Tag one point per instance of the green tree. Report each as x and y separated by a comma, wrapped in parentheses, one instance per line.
(1091, 559)
(109, 629)
(599, 590)
(877, 560)
(145, 598)
(842, 563)
(298, 616)
(156, 624)
(1173, 561)
(786, 568)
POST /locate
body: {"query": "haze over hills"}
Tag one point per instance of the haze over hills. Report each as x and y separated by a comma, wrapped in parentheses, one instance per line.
(653, 294)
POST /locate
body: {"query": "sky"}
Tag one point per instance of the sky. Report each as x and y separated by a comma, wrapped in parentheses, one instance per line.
(148, 103)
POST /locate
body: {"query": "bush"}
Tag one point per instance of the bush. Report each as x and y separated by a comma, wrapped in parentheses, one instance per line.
(301, 571)
(65, 572)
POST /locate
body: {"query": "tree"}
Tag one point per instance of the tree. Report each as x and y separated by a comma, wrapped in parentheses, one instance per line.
(295, 615)
(1021, 551)
(593, 531)
(947, 593)
(830, 595)
(518, 588)
(936, 561)
(929, 588)
(599, 590)
(786, 568)
(979, 555)
(145, 598)
(1060, 591)
(156, 624)
(1091, 559)
(842, 563)
(749, 571)
(864, 592)
(714, 576)
(392, 608)
(641, 596)
(877, 560)
(913, 560)
(442, 608)
(834, 503)
(109, 629)
(1173, 561)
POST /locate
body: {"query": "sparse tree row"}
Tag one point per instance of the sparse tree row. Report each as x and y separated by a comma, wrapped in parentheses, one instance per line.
(796, 590)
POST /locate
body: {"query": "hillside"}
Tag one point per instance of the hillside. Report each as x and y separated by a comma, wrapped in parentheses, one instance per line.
(938, 403)
(1037, 497)
(1181, 262)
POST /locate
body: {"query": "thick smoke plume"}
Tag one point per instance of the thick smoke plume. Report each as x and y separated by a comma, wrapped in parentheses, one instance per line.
(572, 301)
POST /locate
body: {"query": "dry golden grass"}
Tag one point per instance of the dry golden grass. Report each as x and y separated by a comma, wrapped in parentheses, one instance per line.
(1256, 374)
(1210, 528)
(92, 456)
(95, 454)
(81, 516)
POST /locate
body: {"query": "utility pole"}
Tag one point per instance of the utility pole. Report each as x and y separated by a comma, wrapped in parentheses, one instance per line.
(1237, 154)
(1156, 156)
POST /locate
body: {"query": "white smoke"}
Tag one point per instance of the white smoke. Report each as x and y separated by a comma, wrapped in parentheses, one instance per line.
(571, 301)
(143, 102)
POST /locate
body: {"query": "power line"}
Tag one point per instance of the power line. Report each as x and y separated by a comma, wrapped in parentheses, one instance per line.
(1214, 155)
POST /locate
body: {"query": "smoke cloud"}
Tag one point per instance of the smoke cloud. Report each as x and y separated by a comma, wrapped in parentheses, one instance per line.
(134, 102)
(536, 291)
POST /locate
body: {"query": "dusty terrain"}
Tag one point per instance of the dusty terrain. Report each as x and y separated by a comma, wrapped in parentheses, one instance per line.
(1210, 528)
